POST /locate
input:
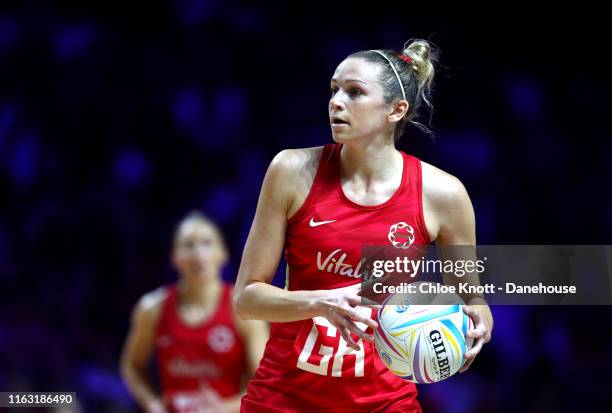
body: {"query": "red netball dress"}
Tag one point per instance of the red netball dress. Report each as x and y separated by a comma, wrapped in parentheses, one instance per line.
(307, 366)
(211, 354)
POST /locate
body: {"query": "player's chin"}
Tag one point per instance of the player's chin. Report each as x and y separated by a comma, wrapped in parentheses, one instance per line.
(341, 136)
(201, 275)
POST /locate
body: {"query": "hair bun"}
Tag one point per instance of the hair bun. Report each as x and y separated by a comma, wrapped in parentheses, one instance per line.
(423, 55)
(417, 48)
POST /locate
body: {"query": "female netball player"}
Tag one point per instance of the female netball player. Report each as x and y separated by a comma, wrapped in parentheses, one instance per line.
(322, 204)
(204, 353)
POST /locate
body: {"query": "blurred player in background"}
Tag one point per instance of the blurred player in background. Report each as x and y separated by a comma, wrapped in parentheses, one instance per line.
(322, 205)
(205, 354)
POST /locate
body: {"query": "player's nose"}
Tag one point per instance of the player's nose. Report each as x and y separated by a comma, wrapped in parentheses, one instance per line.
(336, 104)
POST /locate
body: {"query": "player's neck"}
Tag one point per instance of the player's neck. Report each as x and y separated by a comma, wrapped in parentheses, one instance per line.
(199, 292)
(372, 162)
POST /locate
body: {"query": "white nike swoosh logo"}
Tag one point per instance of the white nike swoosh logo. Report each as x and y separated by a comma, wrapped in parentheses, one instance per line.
(316, 224)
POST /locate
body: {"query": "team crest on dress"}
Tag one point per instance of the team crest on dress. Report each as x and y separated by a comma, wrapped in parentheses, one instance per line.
(221, 339)
(401, 235)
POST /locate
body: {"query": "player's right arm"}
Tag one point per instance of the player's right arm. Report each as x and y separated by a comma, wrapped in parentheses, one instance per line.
(138, 349)
(254, 296)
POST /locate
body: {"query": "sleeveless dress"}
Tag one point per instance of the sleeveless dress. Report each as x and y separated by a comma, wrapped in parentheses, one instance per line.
(209, 354)
(307, 366)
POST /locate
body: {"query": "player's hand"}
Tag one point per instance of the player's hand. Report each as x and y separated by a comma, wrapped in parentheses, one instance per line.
(339, 307)
(210, 401)
(481, 333)
(203, 400)
(155, 406)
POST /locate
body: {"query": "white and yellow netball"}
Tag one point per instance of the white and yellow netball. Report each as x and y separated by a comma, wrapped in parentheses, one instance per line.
(422, 343)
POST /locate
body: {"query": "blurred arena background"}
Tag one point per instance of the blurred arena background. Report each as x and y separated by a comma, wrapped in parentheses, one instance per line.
(117, 119)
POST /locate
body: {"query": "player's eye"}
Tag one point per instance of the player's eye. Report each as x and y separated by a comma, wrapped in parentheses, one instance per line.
(355, 92)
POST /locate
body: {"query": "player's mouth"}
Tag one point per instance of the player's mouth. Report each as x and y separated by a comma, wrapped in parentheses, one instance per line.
(337, 122)
(199, 267)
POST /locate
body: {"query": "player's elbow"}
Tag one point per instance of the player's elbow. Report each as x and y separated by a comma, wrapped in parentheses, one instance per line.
(130, 370)
(239, 303)
(245, 300)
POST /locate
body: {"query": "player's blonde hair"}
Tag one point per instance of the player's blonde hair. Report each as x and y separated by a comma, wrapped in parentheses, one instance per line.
(415, 67)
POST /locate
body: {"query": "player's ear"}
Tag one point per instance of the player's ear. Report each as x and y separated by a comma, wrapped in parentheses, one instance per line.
(400, 109)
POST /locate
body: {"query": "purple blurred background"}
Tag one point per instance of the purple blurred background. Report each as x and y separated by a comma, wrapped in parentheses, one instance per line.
(116, 120)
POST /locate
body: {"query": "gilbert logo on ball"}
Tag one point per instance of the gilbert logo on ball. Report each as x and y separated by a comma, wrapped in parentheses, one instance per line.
(401, 308)
(423, 343)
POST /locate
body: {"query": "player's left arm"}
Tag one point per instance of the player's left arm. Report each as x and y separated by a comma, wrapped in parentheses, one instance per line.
(451, 221)
(254, 334)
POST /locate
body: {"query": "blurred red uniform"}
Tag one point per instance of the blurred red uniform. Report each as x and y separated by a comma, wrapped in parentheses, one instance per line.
(210, 355)
(307, 366)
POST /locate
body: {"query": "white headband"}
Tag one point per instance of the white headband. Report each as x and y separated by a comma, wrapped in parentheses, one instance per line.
(394, 71)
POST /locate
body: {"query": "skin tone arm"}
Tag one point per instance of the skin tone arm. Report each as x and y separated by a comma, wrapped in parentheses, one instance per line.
(255, 334)
(451, 221)
(254, 297)
(137, 351)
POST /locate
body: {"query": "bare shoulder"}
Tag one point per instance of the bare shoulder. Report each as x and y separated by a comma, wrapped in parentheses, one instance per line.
(297, 160)
(149, 307)
(293, 172)
(447, 208)
(441, 188)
